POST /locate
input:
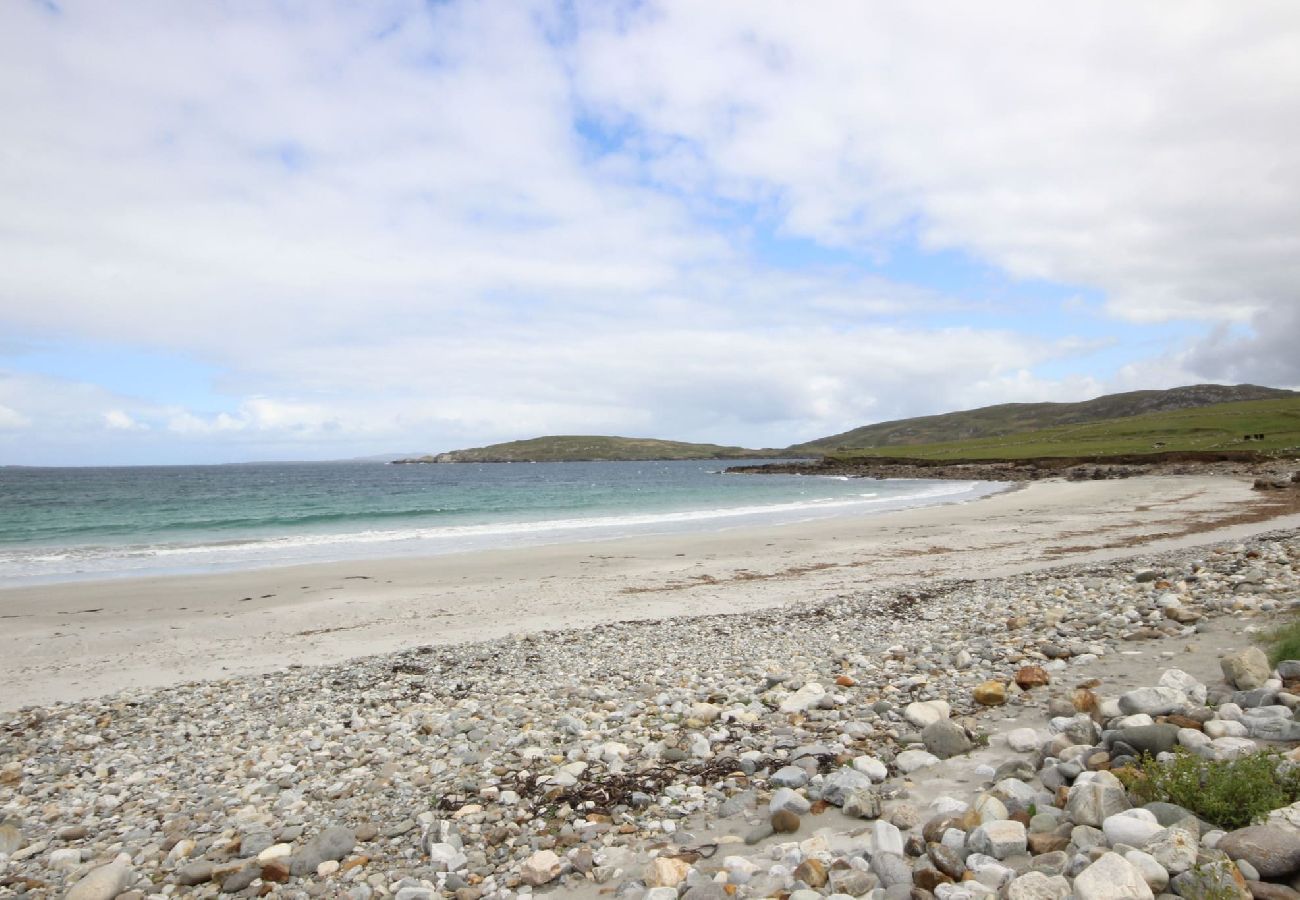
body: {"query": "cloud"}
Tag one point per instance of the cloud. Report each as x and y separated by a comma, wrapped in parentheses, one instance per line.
(1124, 147)
(421, 225)
(118, 420)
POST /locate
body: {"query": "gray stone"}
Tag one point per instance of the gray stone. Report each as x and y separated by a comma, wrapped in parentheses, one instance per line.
(1246, 669)
(1037, 886)
(195, 873)
(1154, 701)
(1273, 851)
(103, 883)
(891, 868)
(1111, 877)
(332, 843)
(790, 777)
(999, 839)
(786, 798)
(945, 739)
(842, 782)
(1175, 849)
(863, 803)
(1209, 881)
(1150, 739)
(1092, 803)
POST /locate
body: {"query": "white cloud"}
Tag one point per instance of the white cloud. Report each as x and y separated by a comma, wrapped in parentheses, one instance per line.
(119, 420)
(380, 225)
(1133, 148)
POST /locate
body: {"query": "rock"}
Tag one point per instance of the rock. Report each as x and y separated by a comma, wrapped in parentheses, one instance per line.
(863, 803)
(886, 838)
(410, 892)
(1262, 890)
(1175, 850)
(1037, 886)
(666, 872)
(926, 712)
(945, 739)
(871, 767)
(842, 782)
(542, 867)
(1111, 877)
(999, 839)
(946, 860)
(1215, 880)
(1133, 827)
(11, 838)
(804, 699)
(1024, 740)
(103, 883)
(891, 868)
(1273, 851)
(786, 798)
(811, 872)
(1154, 701)
(197, 873)
(789, 777)
(784, 822)
(990, 693)
(1092, 803)
(1149, 739)
(1188, 686)
(1031, 677)
(1246, 669)
(909, 761)
(1153, 873)
(332, 843)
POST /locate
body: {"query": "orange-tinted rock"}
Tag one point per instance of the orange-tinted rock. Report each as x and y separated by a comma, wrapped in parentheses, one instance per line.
(990, 693)
(1032, 677)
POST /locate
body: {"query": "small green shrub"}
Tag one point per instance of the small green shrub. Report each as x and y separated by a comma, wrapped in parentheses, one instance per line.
(1283, 642)
(1230, 793)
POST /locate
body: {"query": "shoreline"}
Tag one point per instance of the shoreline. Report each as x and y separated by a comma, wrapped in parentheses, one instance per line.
(71, 641)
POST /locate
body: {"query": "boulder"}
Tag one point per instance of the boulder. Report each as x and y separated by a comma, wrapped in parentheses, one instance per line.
(945, 739)
(1028, 677)
(1134, 827)
(842, 782)
(1111, 877)
(1037, 886)
(999, 839)
(804, 699)
(1154, 701)
(1091, 803)
(1246, 669)
(1273, 851)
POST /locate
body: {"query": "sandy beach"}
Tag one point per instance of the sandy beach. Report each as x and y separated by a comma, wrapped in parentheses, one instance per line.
(75, 640)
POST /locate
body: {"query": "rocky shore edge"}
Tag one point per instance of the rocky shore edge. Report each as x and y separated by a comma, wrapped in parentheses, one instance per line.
(857, 746)
(1269, 474)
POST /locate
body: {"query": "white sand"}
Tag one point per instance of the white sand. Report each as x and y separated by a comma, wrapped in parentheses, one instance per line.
(67, 641)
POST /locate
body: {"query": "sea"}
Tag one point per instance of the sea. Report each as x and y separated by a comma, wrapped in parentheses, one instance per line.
(67, 524)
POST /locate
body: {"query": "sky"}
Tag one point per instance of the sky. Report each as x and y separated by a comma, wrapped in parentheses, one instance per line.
(246, 230)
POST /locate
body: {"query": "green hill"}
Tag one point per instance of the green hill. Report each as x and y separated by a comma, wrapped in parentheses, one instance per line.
(1266, 427)
(585, 448)
(1011, 418)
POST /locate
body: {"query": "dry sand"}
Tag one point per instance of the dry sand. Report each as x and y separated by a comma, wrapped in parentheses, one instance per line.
(67, 641)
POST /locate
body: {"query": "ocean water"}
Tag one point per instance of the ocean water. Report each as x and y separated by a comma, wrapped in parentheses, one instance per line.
(78, 523)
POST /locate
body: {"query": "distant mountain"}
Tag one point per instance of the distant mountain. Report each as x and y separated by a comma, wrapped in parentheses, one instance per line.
(1012, 418)
(592, 448)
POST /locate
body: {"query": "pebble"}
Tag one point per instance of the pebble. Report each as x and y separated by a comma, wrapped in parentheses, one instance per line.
(467, 771)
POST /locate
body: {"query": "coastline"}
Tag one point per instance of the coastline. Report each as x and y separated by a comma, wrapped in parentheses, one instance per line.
(76, 640)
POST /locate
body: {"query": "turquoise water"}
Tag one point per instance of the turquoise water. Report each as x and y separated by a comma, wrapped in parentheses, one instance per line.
(63, 524)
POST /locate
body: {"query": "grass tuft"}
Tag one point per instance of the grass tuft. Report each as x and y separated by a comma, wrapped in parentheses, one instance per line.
(1283, 642)
(1230, 793)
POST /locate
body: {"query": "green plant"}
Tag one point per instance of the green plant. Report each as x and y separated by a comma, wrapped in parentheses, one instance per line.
(1230, 793)
(1283, 642)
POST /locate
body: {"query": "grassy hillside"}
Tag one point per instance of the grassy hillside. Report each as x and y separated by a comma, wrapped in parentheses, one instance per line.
(1217, 428)
(575, 448)
(1010, 418)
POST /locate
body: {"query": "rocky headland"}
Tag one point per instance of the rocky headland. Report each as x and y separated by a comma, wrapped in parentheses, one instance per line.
(951, 739)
